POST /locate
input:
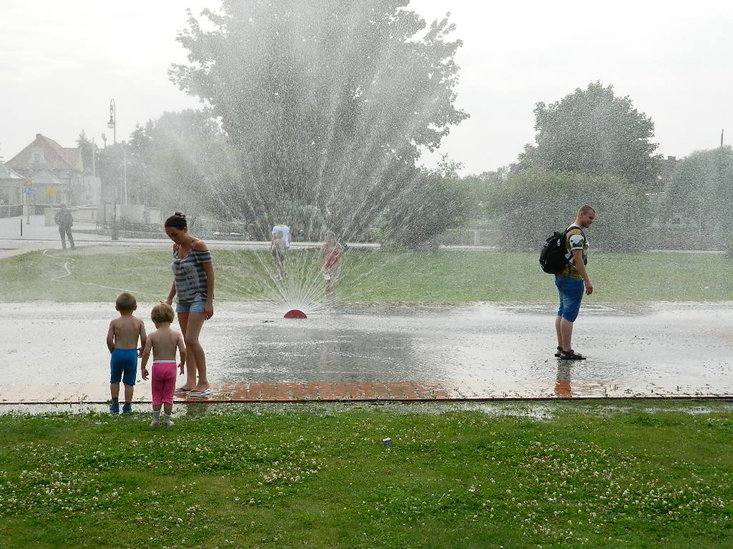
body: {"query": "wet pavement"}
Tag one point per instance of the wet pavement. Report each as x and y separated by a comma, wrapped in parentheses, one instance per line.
(56, 353)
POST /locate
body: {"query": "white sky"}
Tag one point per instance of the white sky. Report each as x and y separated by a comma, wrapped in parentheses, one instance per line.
(61, 61)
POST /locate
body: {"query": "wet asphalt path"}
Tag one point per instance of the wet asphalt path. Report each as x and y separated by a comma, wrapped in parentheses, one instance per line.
(473, 352)
(53, 352)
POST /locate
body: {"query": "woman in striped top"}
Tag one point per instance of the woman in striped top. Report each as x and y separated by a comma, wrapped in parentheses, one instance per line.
(193, 286)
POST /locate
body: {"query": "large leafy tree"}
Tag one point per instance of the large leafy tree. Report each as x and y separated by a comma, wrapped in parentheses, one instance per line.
(327, 103)
(594, 132)
(700, 192)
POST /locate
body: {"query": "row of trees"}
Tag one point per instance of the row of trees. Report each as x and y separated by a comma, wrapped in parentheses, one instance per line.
(316, 113)
(700, 196)
(591, 147)
(594, 147)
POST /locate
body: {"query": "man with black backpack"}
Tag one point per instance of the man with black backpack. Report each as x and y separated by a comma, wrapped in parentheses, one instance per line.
(572, 281)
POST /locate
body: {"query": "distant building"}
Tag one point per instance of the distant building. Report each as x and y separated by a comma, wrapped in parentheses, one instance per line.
(56, 173)
(11, 191)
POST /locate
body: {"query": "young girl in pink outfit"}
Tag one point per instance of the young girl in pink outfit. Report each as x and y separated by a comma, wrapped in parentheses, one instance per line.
(331, 254)
(163, 342)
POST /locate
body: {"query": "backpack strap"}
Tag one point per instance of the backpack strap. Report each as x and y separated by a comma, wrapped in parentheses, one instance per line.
(565, 241)
(565, 233)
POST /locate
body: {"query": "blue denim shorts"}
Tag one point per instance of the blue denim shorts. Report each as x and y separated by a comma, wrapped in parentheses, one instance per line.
(195, 307)
(571, 292)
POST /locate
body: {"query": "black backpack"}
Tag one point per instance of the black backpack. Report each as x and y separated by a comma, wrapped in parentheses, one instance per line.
(552, 257)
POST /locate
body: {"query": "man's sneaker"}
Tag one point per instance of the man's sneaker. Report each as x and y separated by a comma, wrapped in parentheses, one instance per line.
(114, 408)
(127, 408)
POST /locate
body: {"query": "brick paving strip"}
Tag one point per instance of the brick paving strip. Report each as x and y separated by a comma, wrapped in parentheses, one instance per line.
(320, 391)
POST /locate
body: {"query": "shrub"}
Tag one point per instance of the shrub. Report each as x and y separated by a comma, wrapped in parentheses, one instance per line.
(434, 204)
(532, 204)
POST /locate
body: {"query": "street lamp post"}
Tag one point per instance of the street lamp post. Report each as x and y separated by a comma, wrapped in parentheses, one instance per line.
(112, 125)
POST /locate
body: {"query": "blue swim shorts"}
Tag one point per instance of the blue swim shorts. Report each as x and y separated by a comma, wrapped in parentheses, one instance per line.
(123, 366)
(571, 292)
(195, 307)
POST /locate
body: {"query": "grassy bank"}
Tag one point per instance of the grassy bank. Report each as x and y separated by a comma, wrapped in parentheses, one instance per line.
(98, 274)
(584, 475)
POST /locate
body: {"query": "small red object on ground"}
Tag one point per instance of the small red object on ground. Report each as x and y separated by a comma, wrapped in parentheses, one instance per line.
(295, 313)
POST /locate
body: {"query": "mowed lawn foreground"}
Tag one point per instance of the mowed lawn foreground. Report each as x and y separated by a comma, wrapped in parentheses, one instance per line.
(447, 276)
(499, 475)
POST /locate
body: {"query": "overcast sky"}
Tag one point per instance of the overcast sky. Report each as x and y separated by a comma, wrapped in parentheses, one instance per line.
(61, 61)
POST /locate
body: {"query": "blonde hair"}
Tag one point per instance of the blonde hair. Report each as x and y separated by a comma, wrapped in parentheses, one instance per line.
(162, 312)
(126, 302)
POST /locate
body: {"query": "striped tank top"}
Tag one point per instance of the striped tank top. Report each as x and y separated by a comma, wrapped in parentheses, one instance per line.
(190, 276)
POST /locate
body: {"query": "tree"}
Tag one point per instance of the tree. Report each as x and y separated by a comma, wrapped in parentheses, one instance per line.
(187, 162)
(594, 132)
(533, 203)
(437, 202)
(88, 152)
(700, 191)
(327, 103)
(480, 189)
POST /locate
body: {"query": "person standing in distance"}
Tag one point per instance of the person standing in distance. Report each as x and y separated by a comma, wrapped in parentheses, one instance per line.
(572, 282)
(193, 286)
(285, 230)
(65, 220)
(331, 254)
(278, 251)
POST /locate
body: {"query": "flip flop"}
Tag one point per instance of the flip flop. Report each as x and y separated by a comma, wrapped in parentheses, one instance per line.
(182, 391)
(198, 394)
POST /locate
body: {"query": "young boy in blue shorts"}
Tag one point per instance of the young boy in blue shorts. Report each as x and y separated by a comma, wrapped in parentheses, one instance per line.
(125, 340)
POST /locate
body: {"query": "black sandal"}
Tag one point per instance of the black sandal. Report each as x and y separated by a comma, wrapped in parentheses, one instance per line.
(571, 355)
(558, 353)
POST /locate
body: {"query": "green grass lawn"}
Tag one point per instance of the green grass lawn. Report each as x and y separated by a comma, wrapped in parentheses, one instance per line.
(98, 274)
(575, 474)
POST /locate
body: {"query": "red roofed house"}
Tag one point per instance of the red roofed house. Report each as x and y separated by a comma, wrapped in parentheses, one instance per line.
(57, 174)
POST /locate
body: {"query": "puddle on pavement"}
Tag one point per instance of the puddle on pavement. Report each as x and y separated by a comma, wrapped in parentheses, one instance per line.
(495, 350)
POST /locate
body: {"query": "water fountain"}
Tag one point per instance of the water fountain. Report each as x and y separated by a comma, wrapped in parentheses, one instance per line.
(322, 130)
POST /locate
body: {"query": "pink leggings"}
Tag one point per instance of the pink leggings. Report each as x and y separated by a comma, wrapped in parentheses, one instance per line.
(164, 381)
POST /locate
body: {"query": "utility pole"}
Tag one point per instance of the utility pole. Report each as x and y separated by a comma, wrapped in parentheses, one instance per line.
(112, 125)
(124, 170)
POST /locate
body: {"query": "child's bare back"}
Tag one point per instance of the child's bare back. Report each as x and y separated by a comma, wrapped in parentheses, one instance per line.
(125, 332)
(165, 342)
